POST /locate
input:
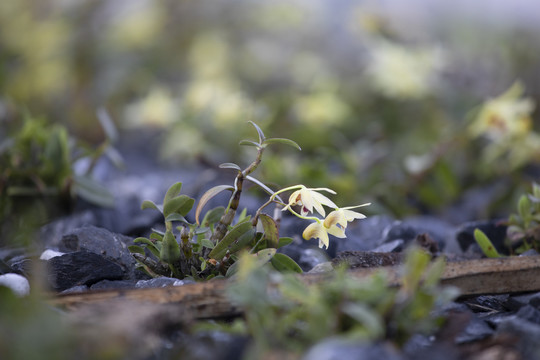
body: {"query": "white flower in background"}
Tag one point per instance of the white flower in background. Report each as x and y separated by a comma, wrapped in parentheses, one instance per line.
(158, 109)
(403, 72)
(506, 116)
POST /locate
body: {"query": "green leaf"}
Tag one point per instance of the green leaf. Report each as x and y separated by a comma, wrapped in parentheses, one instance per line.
(242, 241)
(107, 124)
(262, 257)
(263, 186)
(485, 244)
(536, 190)
(283, 241)
(181, 204)
(230, 166)
(170, 250)
(282, 141)
(213, 216)
(115, 157)
(209, 195)
(221, 248)
(262, 138)
(524, 205)
(176, 217)
(172, 192)
(271, 233)
(415, 265)
(203, 263)
(207, 243)
(283, 263)
(136, 249)
(249, 143)
(93, 192)
(434, 272)
(147, 204)
(150, 245)
(242, 215)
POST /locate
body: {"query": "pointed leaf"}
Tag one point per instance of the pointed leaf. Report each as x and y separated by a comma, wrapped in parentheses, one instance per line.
(271, 233)
(222, 247)
(176, 217)
(434, 272)
(524, 205)
(282, 141)
(209, 195)
(265, 256)
(170, 250)
(213, 216)
(93, 192)
(149, 245)
(115, 157)
(283, 263)
(249, 143)
(207, 243)
(242, 241)
(172, 192)
(230, 166)
(107, 124)
(485, 244)
(181, 204)
(263, 186)
(147, 204)
(136, 249)
(262, 138)
(284, 241)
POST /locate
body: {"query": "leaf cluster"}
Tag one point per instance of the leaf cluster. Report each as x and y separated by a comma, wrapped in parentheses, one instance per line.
(210, 247)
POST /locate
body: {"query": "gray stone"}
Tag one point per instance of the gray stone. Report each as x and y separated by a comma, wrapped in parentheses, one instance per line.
(113, 247)
(339, 349)
(161, 282)
(81, 268)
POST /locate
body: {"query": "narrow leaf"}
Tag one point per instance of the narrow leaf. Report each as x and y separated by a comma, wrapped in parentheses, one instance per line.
(283, 263)
(170, 250)
(230, 166)
(172, 192)
(175, 217)
(136, 249)
(242, 241)
(149, 245)
(207, 243)
(283, 241)
(282, 141)
(107, 124)
(485, 244)
(147, 204)
(221, 248)
(213, 216)
(249, 143)
(209, 195)
(271, 233)
(262, 138)
(262, 186)
(181, 204)
(93, 192)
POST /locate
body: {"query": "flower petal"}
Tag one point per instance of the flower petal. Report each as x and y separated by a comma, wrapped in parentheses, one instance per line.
(318, 231)
(336, 231)
(334, 218)
(352, 215)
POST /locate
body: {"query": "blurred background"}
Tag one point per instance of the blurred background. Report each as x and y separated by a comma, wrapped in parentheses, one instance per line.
(420, 107)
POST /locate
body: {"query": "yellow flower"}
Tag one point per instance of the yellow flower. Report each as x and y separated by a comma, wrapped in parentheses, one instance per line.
(310, 199)
(343, 215)
(319, 231)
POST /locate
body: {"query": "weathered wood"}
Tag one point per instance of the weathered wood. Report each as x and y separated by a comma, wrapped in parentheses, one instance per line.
(209, 300)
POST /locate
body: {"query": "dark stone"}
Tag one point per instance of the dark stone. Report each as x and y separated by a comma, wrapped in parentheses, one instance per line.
(309, 258)
(367, 259)
(362, 235)
(338, 349)
(489, 303)
(525, 333)
(21, 265)
(76, 290)
(529, 313)
(534, 300)
(81, 268)
(476, 330)
(421, 227)
(110, 284)
(494, 230)
(113, 247)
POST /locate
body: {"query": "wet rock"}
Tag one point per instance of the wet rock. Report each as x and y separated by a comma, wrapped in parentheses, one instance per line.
(161, 282)
(476, 330)
(21, 264)
(338, 349)
(113, 247)
(81, 268)
(363, 235)
(17, 283)
(495, 231)
(309, 258)
(411, 228)
(110, 284)
(525, 334)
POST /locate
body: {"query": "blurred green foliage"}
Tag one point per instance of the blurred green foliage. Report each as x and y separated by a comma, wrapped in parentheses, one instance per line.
(283, 313)
(382, 98)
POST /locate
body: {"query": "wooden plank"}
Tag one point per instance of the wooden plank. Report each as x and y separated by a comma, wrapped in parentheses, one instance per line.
(209, 299)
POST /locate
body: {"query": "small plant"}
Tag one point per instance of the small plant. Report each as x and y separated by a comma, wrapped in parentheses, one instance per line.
(523, 231)
(210, 247)
(283, 312)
